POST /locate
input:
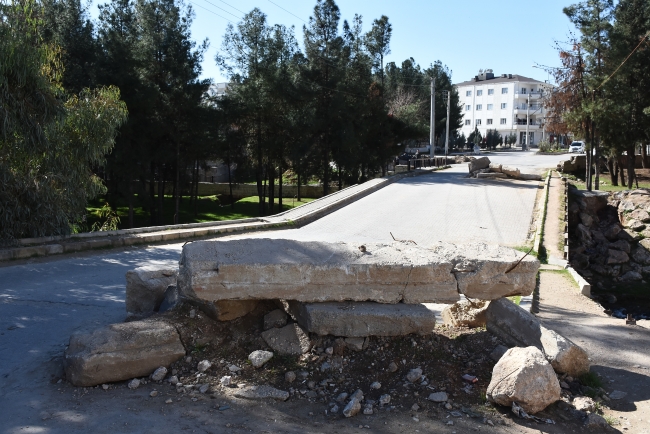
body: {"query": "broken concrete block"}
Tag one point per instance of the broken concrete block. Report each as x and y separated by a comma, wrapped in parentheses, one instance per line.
(478, 164)
(145, 288)
(523, 375)
(363, 319)
(530, 177)
(275, 318)
(491, 175)
(224, 310)
(495, 167)
(290, 339)
(121, 351)
(465, 313)
(517, 327)
(312, 271)
(511, 171)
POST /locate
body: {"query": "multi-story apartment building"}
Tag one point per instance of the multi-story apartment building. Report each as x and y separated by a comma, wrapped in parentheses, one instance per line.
(503, 103)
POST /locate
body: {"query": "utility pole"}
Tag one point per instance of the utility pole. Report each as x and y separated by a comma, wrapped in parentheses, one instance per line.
(432, 124)
(447, 127)
(527, 122)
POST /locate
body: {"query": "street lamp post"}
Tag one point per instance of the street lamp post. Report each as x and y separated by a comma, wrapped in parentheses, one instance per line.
(527, 122)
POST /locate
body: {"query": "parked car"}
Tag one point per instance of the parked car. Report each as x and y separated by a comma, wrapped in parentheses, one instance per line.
(577, 146)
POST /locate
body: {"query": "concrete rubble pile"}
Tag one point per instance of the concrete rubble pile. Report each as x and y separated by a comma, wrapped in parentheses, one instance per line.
(483, 168)
(339, 289)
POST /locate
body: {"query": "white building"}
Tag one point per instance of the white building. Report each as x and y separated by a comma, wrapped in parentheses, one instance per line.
(503, 103)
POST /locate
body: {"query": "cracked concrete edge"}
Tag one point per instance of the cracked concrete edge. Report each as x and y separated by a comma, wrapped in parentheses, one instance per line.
(161, 234)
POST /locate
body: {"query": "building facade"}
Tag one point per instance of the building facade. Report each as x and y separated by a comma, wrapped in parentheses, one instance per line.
(504, 103)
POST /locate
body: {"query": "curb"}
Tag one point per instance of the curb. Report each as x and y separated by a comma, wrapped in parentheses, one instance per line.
(47, 246)
(542, 215)
(585, 287)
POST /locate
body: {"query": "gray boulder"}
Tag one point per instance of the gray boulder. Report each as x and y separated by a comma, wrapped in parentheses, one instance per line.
(275, 318)
(145, 289)
(478, 164)
(524, 376)
(517, 327)
(616, 257)
(290, 339)
(121, 351)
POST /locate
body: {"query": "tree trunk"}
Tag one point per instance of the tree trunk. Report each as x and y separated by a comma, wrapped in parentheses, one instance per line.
(630, 166)
(130, 202)
(196, 191)
(613, 170)
(621, 170)
(177, 191)
(161, 197)
(232, 202)
(596, 168)
(280, 188)
(271, 171)
(644, 156)
(326, 172)
(152, 195)
(299, 197)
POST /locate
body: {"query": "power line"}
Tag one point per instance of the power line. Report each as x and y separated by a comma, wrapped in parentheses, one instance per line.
(238, 10)
(288, 12)
(214, 13)
(625, 60)
(226, 11)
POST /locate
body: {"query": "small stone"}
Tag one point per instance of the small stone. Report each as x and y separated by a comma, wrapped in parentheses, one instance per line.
(415, 407)
(392, 367)
(203, 365)
(311, 385)
(368, 410)
(326, 366)
(173, 380)
(415, 419)
(489, 422)
(414, 375)
(617, 394)
(594, 420)
(564, 385)
(583, 403)
(334, 409)
(438, 397)
(289, 376)
(275, 319)
(353, 407)
(259, 357)
(384, 399)
(451, 422)
(342, 397)
(355, 344)
(134, 384)
(188, 359)
(357, 395)
(193, 313)
(105, 386)
(153, 393)
(234, 368)
(226, 380)
(262, 392)
(448, 406)
(376, 385)
(168, 401)
(329, 350)
(159, 374)
(204, 388)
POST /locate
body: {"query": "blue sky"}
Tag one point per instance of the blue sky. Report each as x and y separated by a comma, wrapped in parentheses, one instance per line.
(508, 36)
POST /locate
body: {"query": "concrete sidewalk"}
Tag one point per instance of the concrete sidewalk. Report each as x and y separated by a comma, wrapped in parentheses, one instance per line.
(618, 352)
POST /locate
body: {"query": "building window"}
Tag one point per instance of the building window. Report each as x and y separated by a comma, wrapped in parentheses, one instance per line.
(504, 90)
(479, 93)
(523, 90)
(468, 93)
(504, 105)
(489, 121)
(468, 122)
(489, 106)
(478, 122)
(479, 106)
(490, 91)
(503, 121)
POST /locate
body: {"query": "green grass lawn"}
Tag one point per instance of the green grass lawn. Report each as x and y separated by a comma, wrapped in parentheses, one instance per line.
(209, 208)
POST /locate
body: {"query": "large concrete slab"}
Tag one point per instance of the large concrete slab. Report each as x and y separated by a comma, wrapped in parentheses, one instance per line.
(314, 271)
(363, 319)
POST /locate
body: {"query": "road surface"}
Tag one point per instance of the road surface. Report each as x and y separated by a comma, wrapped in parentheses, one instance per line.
(42, 301)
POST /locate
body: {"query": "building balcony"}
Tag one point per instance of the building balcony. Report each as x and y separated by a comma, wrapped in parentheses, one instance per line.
(524, 95)
(522, 109)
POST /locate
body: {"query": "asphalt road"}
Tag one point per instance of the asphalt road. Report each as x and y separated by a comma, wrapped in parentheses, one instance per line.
(42, 301)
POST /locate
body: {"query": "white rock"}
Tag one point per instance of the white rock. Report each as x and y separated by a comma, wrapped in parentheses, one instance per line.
(384, 399)
(583, 403)
(226, 380)
(438, 397)
(204, 388)
(414, 375)
(159, 374)
(234, 368)
(153, 393)
(353, 407)
(376, 385)
(289, 376)
(203, 365)
(259, 357)
(173, 380)
(368, 409)
(134, 384)
(525, 376)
